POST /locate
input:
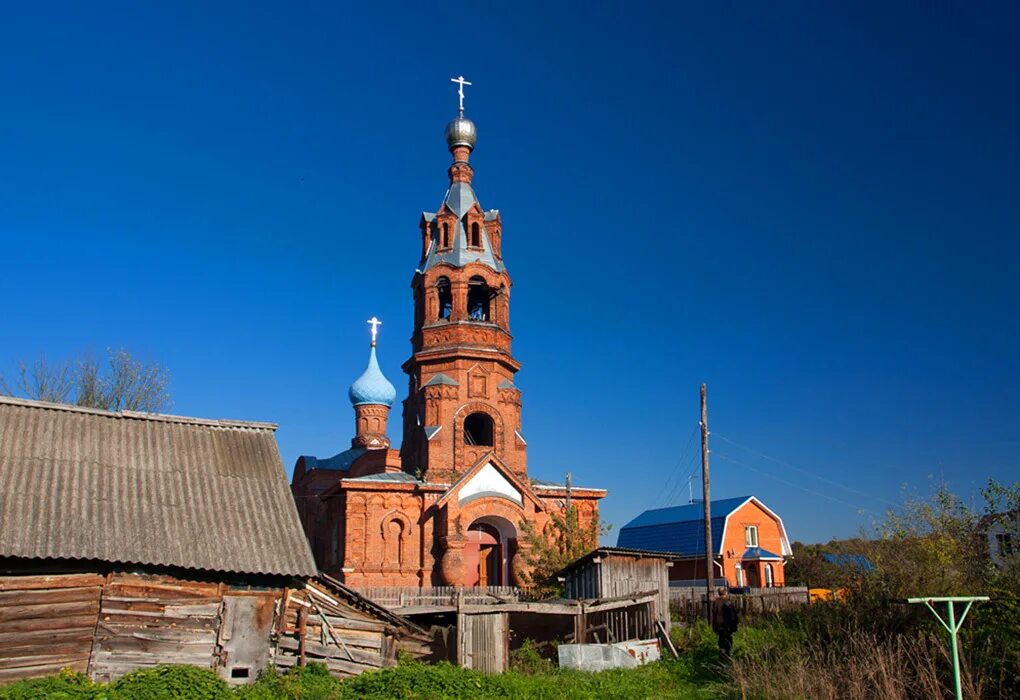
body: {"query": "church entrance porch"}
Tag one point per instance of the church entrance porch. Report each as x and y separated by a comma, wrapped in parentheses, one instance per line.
(489, 551)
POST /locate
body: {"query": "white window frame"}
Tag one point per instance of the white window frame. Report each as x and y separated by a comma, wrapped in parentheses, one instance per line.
(740, 576)
(770, 580)
(751, 535)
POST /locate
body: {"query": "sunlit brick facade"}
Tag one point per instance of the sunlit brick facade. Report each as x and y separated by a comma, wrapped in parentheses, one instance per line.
(447, 507)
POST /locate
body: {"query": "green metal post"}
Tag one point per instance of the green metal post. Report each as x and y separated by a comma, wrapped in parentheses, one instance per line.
(953, 629)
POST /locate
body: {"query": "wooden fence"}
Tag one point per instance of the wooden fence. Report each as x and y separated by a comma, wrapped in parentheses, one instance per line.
(688, 604)
(419, 599)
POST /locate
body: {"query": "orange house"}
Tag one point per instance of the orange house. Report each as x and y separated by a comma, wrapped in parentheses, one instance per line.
(749, 541)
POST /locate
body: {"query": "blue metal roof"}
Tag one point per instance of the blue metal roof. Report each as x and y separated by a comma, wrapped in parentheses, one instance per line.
(759, 553)
(679, 529)
(854, 561)
(340, 462)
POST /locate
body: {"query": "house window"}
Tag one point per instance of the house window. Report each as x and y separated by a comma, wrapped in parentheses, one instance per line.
(740, 576)
(769, 576)
(1005, 544)
(751, 535)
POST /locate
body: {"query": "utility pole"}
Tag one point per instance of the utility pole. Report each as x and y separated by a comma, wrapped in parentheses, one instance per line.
(708, 504)
(566, 514)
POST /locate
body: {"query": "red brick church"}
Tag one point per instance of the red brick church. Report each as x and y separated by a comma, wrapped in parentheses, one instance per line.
(447, 507)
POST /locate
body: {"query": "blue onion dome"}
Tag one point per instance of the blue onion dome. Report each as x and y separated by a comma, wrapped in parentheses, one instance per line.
(372, 387)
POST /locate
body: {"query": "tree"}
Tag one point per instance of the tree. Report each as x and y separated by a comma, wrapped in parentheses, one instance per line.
(122, 384)
(563, 540)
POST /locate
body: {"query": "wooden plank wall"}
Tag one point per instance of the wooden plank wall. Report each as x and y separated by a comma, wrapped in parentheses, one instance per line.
(47, 623)
(107, 625)
(484, 641)
(623, 575)
(317, 626)
(150, 620)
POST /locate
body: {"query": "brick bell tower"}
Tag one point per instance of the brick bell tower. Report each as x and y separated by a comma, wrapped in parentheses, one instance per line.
(462, 402)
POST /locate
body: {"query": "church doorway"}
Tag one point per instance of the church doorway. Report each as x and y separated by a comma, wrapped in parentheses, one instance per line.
(489, 551)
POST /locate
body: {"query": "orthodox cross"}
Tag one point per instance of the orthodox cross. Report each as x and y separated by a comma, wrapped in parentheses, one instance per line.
(460, 89)
(375, 323)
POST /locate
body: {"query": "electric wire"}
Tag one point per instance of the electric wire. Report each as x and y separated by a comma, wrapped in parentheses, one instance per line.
(666, 490)
(793, 484)
(804, 471)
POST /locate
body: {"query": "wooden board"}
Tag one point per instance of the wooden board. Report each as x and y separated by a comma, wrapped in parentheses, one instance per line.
(46, 623)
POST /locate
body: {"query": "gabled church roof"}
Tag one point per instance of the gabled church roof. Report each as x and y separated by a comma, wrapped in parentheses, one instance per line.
(460, 198)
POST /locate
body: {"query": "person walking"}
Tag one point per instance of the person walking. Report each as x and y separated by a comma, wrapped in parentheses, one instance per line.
(724, 622)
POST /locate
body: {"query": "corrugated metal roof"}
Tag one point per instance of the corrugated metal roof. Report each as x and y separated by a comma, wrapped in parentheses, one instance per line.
(146, 489)
(680, 529)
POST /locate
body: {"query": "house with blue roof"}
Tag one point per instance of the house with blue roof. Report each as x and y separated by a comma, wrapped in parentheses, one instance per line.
(749, 541)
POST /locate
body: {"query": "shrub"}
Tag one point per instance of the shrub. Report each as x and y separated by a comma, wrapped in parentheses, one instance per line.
(66, 685)
(312, 682)
(169, 683)
(528, 660)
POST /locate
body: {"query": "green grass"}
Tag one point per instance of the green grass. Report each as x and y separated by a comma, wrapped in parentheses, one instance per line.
(664, 679)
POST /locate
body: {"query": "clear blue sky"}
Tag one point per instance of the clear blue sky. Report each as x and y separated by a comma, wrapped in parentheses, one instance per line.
(814, 210)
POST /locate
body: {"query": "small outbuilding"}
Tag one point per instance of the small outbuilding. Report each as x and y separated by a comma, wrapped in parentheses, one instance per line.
(614, 572)
(129, 540)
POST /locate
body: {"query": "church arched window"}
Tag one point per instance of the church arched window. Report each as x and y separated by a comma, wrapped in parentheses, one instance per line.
(445, 241)
(479, 299)
(478, 429)
(394, 540)
(476, 236)
(445, 298)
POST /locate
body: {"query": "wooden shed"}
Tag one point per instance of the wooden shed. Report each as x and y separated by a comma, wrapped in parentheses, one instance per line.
(130, 540)
(615, 572)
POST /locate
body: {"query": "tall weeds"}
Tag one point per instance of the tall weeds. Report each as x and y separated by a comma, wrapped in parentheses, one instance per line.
(860, 666)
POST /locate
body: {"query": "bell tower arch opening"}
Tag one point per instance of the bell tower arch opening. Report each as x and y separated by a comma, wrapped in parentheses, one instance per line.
(479, 430)
(479, 299)
(445, 298)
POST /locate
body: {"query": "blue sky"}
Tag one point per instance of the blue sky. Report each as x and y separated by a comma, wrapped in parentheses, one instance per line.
(812, 209)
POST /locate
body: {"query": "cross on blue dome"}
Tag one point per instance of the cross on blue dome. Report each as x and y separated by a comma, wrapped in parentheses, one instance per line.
(372, 387)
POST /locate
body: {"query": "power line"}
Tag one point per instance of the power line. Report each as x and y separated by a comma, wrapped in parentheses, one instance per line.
(805, 471)
(667, 492)
(793, 484)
